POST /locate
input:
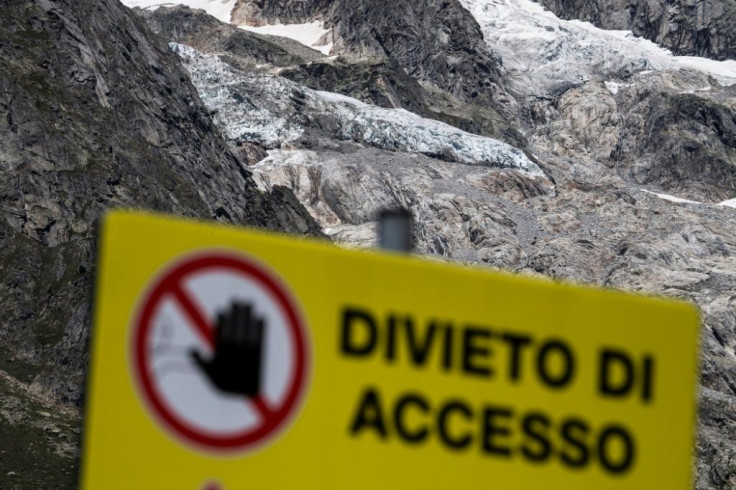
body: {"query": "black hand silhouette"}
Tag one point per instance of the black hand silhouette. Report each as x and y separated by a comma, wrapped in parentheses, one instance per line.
(235, 366)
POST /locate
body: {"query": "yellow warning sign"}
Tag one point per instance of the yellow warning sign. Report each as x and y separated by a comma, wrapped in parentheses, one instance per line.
(228, 359)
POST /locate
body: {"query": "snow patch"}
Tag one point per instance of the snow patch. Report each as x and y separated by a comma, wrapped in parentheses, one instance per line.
(287, 158)
(311, 34)
(670, 198)
(731, 203)
(723, 71)
(220, 9)
(613, 87)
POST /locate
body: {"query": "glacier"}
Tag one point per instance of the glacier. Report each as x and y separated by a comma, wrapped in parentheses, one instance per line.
(275, 112)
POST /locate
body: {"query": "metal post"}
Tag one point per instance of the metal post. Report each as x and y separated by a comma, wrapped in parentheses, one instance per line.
(395, 230)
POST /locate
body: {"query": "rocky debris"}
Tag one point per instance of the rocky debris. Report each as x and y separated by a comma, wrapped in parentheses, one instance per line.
(459, 209)
(40, 440)
(698, 28)
(95, 113)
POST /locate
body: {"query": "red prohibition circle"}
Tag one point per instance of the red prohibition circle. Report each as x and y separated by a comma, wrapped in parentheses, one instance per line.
(170, 283)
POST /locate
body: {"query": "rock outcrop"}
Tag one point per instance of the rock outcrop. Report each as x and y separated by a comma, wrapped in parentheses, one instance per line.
(670, 131)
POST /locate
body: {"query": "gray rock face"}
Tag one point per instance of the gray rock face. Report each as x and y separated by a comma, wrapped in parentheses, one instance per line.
(671, 131)
(95, 113)
(698, 28)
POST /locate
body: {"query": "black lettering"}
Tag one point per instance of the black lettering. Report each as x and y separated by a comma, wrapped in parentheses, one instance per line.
(647, 390)
(419, 349)
(606, 384)
(404, 402)
(575, 432)
(471, 351)
(627, 459)
(517, 342)
(568, 370)
(443, 425)
(369, 415)
(391, 339)
(536, 427)
(350, 346)
(492, 430)
(448, 347)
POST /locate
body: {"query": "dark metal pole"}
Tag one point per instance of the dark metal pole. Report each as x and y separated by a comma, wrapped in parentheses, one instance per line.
(395, 230)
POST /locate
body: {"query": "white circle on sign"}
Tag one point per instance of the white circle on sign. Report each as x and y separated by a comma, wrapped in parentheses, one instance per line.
(179, 318)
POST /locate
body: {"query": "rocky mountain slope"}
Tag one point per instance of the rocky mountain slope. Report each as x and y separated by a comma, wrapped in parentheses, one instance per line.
(436, 42)
(95, 112)
(698, 28)
(634, 146)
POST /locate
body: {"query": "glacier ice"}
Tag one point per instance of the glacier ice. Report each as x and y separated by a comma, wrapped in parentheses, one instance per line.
(276, 112)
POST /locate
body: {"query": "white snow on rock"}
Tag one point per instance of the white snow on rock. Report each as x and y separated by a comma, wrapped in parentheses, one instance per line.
(275, 112)
(731, 203)
(613, 87)
(312, 34)
(723, 71)
(545, 53)
(671, 198)
(220, 9)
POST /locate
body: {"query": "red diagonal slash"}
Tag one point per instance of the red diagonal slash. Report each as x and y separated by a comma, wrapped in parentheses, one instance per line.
(207, 333)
